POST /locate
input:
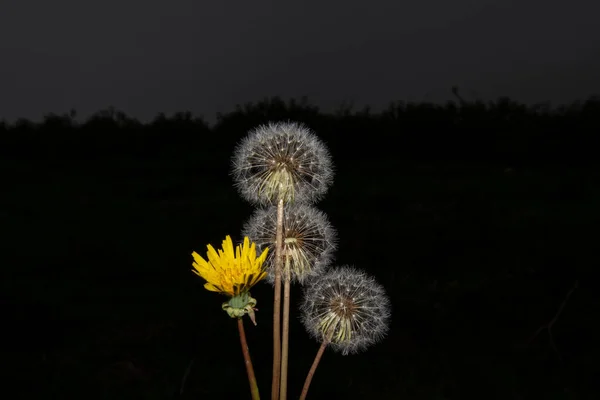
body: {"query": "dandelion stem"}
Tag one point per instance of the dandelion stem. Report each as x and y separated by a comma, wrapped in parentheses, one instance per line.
(277, 304)
(248, 361)
(313, 368)
(286, 331)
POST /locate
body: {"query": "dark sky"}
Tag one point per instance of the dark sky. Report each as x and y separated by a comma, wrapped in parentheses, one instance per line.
(148, 56)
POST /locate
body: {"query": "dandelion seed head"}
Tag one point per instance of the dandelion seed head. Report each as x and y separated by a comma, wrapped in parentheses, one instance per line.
(309, 240)
(282, 161)
(348, 306)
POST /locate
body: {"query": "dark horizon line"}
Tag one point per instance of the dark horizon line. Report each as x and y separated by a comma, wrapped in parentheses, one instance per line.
(303, 102)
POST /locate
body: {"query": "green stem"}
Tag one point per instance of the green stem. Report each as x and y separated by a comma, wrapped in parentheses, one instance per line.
(248, 361)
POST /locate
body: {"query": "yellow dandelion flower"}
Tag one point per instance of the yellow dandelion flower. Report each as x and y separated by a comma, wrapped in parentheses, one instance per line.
(231, 273)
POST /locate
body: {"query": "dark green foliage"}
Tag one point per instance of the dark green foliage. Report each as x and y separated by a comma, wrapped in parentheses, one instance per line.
(477, 218)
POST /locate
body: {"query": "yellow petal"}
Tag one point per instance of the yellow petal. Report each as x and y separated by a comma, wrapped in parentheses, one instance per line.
(198, 258)
(200, 264)
(211, 287)
(228, 247)
(252, 252)
(213, 257)
(246, 249)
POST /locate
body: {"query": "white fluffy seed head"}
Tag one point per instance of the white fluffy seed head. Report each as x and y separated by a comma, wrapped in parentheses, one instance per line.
(309, 240)
(282, 161)
(348, 306)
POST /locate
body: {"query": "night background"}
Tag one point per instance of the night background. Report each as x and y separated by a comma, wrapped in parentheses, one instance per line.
(464, 138)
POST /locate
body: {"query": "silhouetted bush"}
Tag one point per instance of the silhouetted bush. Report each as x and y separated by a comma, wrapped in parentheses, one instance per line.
(502, 132)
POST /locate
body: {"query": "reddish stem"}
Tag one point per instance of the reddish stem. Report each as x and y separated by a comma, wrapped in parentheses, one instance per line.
(248, 361)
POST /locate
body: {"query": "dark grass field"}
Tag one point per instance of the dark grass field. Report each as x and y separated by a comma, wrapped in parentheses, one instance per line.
(101, 302)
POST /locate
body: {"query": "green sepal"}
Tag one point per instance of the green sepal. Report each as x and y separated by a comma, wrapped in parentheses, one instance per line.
(240, 305)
